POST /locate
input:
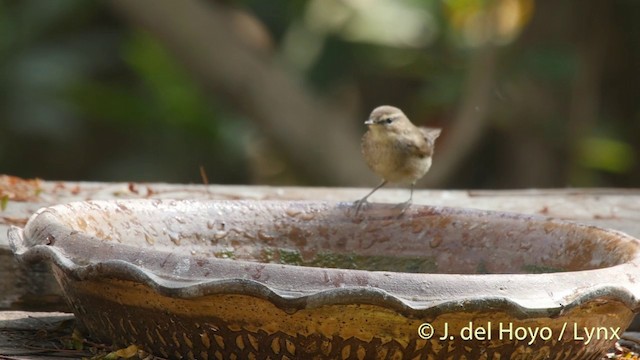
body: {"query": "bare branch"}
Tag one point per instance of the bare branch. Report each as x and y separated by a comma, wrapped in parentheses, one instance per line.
(470, 122)
(318, 138)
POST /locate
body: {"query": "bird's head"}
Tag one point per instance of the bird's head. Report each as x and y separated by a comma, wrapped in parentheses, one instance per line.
(387, 118)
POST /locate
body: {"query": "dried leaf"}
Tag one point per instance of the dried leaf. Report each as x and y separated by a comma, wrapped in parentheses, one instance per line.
(126, 353)
(18, 189)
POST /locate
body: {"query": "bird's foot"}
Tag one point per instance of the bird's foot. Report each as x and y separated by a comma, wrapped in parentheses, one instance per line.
(360, 204)
(403, 206)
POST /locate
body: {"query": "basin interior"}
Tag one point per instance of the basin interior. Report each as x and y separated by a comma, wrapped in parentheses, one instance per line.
(316, 234)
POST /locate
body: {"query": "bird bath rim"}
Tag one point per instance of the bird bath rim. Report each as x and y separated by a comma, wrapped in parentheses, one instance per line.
(293, 287)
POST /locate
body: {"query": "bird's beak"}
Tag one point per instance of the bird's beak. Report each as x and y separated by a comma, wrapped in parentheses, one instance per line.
(368, 122)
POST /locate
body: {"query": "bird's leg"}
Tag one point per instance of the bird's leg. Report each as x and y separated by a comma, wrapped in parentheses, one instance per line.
(361, 202)
(405, 205)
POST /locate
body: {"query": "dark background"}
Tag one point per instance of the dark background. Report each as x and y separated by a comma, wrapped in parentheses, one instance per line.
(529, 93)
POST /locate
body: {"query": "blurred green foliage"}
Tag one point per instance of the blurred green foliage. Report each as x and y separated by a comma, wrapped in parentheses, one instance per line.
(87, 96)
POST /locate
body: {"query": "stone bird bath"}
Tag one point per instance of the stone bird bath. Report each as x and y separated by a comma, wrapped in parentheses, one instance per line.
(310, 280)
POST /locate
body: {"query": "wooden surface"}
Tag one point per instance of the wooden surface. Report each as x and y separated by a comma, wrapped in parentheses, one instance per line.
(36, 335)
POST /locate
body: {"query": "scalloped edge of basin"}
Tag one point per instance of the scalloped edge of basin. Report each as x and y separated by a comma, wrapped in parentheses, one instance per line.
(295, 290)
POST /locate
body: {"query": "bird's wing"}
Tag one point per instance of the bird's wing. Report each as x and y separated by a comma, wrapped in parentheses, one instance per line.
(417, 142)
(425, 148)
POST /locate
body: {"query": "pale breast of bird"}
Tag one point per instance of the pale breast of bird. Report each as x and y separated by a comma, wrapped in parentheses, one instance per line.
(394, 158)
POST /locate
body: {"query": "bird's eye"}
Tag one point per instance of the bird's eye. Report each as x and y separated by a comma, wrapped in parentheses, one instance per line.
(388, 121)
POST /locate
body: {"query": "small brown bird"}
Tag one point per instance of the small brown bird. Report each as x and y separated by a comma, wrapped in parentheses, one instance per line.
(396, 150)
